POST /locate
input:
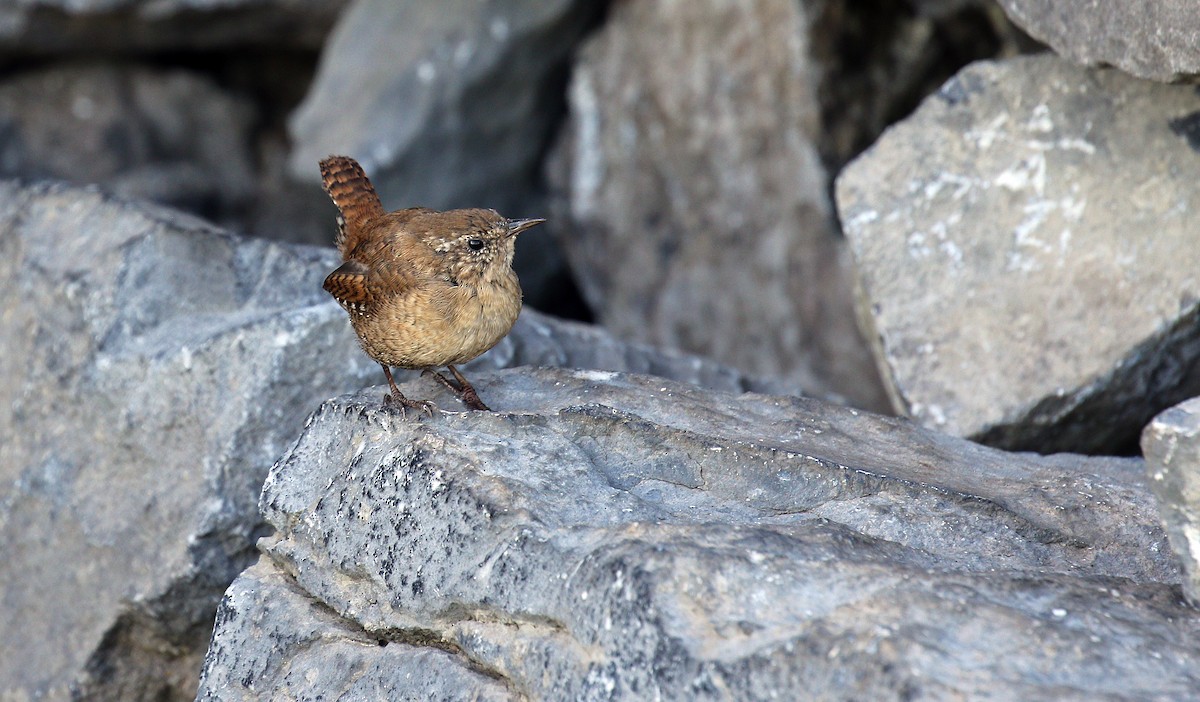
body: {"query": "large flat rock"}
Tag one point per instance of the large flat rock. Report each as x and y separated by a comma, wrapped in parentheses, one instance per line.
(612, 536)
(152, 368)
(1027, 257)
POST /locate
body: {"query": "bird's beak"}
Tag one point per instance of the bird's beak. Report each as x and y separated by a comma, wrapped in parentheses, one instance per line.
(516, 226)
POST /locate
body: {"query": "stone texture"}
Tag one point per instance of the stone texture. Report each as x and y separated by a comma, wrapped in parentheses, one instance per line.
(47, 27)
(540, 340)
(611, 536)
(1155, 39)
(151, 370)
(169, 136)
(309, 653)
(695, 212)
(444, 104)
(1171, 444)
(1027, 258)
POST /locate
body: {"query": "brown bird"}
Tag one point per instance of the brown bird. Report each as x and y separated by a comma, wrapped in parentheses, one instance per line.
(424, 289)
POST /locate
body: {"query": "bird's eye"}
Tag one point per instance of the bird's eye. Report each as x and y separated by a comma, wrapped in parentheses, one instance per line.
(475, 244)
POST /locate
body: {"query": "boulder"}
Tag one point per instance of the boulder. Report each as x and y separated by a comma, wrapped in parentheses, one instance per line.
(1027, 257)
(1153, 39)
(614, 536)
(152, 368)
(446, 104)
(171, 136)
(694, 208)
(1171, 444)
(48, 27)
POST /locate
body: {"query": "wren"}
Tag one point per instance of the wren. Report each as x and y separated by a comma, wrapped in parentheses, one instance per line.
(424, 289)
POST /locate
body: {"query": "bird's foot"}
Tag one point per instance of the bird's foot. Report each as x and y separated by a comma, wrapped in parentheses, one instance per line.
(471, 399)
(395, 400)
(466, 393)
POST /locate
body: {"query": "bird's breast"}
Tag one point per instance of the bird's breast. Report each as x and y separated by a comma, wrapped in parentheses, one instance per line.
(438, 325)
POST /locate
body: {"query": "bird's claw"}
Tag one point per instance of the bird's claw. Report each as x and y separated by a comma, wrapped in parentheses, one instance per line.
(404, 404)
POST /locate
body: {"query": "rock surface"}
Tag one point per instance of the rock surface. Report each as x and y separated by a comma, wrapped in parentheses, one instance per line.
(610, 536)
(1155, 39)
(151, 370)
(446, 104)
(1171, 444)
(1027, 255)
(696, 214)
(309, 653)
(173, 137)
(43, 27)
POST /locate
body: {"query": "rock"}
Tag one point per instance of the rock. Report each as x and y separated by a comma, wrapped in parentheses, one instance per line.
(1153, 39)
(444, 105)
(1171, 444)
(1027, 257)
(695, 212)
(151, 370)
(169, 136)
(48, 27)
(540, 340)
(612, 536)
(310, 653)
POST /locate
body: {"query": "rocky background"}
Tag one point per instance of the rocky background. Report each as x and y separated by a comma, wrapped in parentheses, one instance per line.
(772, 223)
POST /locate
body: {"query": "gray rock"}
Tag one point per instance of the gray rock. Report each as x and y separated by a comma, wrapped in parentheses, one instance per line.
(309, 653)
(445, 104)
(1027, 258)
(695, 211)
(1171, 444)
(151, 370)
(173, 137)
(1155, 39)
(540, 340)
(47, 27)
(610, 536)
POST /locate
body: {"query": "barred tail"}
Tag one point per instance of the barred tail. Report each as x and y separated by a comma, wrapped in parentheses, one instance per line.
(355, 197)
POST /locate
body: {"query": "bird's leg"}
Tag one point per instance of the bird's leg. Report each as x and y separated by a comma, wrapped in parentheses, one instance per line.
(463, 389)
(398, 398)
(467, 393)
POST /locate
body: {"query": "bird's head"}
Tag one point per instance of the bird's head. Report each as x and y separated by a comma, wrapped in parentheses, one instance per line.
(474, 245)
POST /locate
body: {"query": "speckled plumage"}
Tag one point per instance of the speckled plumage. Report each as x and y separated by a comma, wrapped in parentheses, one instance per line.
(424, 289)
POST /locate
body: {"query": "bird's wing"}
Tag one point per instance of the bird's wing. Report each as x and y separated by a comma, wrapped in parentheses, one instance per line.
(351, 287)
(355, 197)
(360, 288)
